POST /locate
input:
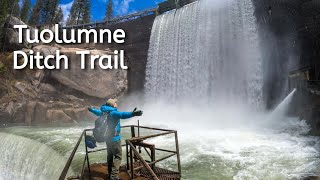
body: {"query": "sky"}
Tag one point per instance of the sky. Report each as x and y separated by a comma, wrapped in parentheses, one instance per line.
(120, 7)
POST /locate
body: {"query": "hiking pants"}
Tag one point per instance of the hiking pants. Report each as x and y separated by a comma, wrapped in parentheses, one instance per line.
(114, 157)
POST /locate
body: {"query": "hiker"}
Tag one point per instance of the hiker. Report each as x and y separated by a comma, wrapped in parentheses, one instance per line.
(113, 139)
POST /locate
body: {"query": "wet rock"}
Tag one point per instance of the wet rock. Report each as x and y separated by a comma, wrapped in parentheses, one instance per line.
(19, 113)
(40, 111)
(57, 116)
(47, 87)
(96, 83)
(9, 109)
(5, 117)
(29, 112)
(78, 114)
(26, 89)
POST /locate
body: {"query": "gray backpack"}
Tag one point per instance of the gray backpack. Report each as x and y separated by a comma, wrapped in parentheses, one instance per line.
(100, 129)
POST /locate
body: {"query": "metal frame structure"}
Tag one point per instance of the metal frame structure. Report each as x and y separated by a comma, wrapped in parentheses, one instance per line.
(162, 8)
(134, 161)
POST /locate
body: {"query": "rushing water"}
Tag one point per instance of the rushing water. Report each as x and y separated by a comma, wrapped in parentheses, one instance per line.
(208, 49)
(216, 142)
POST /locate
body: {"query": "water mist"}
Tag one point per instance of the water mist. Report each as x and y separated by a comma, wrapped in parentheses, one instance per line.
(204, 78)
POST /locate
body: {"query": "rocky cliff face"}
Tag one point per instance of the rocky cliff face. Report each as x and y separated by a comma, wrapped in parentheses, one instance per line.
(50, 96)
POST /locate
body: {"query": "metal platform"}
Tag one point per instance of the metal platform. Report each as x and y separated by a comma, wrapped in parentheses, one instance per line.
(100, 171)
(136, 166)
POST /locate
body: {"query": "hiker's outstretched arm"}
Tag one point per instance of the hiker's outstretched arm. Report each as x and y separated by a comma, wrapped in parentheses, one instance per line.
(96, 112)
(121, 115)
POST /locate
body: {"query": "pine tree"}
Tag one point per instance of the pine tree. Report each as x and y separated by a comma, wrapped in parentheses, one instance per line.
(24, 14)
(109, 12)
(4, 10)
(72, 15)
(80, 12)
(15, 8)
(48, 11)
(86, 15)
(8, 7)
(58, 17)
(35, 14)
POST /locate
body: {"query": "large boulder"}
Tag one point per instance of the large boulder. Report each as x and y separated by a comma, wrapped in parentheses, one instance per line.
(45, 50)
(78, 114)
(96, 83)
(11, 40)
(40, 111)
(29, 114)
(58, 116)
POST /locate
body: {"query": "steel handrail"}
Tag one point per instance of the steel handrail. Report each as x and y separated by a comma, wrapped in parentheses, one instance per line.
(145, 164)
(67, 166)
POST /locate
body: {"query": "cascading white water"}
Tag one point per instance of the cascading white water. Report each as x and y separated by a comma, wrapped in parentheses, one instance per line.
(206, 50)
(23, 158)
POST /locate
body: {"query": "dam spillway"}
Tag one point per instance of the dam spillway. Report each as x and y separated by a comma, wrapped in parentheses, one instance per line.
(207, 50)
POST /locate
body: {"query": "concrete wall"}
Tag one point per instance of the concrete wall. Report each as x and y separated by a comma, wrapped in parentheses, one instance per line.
(136, 48)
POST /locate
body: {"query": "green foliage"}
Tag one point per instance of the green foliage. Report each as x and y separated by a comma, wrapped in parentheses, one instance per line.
(109, 11)
(80, 12)
(25, 10)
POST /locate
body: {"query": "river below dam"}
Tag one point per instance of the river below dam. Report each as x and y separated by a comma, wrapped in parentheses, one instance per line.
(212, 145)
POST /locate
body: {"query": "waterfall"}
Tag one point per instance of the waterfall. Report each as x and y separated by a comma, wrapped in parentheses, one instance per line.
(207, 50)
(23, 158)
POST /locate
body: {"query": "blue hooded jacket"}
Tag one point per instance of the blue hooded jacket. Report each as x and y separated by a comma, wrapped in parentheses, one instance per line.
(114, 116)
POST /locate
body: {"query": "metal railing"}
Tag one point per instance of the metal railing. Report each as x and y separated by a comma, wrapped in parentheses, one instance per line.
(134, 161)
(114, 20)
(162, 8)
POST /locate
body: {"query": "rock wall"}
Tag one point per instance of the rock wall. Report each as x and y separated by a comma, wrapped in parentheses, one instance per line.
(49, 96)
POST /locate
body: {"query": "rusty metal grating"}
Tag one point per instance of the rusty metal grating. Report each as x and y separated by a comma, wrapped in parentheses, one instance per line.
(161, 173)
